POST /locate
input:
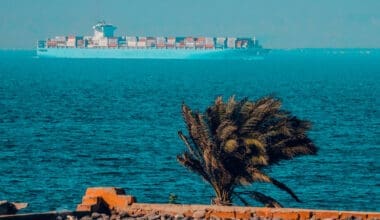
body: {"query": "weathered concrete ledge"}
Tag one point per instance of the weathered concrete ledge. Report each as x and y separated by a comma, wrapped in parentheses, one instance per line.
(45, 216)
(105, 199)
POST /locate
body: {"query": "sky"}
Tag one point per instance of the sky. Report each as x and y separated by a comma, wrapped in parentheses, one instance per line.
(276, 23)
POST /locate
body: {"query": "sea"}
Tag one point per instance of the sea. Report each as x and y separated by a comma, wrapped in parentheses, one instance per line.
(70, 124)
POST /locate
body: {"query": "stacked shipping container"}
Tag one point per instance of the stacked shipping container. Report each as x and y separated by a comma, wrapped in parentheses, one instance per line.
(131, 41)
(231, 41)
(170, 43)
(160, 42)
(103, 42)
(180, 42)
(209, 43)
(189, 42)
(152, 42)
(200, 42)
(141, 43)
(220, 42)
(71, 41)
(113, 42)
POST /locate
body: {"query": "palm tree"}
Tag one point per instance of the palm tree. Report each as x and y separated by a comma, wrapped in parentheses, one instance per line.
(232, 142)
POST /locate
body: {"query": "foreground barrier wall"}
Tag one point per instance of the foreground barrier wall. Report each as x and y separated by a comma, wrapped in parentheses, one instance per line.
(100, 198)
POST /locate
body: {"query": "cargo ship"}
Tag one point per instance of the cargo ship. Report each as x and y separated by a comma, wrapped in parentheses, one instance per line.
(103, 44)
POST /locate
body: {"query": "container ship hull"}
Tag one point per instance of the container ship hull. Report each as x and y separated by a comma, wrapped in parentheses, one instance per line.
(103, 44)
(119, 53)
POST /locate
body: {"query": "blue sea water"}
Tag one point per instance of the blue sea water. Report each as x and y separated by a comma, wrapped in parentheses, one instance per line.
(66, 125)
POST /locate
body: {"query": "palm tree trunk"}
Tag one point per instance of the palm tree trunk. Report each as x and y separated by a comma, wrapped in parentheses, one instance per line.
(223, 197)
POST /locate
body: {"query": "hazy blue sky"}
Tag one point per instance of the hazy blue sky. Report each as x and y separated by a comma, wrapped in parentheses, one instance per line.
(277, 23)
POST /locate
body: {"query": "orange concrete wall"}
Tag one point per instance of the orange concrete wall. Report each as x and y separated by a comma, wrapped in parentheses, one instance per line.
(116, 199)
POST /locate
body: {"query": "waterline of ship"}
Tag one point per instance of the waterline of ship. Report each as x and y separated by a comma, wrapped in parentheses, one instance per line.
(118, 53)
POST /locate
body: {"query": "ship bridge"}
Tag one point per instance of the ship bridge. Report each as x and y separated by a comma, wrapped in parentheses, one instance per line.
(102, 29)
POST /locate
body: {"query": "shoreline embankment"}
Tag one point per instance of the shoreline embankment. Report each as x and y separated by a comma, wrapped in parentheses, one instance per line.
(112, 203)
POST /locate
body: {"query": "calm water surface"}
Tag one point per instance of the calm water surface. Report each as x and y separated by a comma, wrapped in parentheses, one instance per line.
(66, 125)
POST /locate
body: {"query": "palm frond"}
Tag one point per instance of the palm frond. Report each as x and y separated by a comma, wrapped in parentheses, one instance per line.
(230, 106)
(239, 118)
(192, 126)
(215, 115)
(194, 165)
(293, 151)
(255, 143)
(194, 151)
(233, 141)
(259, 176)
(289, 148)
(244, 201)
(266, 200)
(225, 130)
(249, 124)
(259, 161)
(204, 134)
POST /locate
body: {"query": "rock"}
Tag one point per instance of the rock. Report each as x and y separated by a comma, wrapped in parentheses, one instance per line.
(20, 205)
(95, 215)
(179, 217)
(199, 214)
(123, 214)
(70, 217)
(104, 217)
(165, 217)
(86, 217)
(115, 217)
(7, 208)
(153, 217)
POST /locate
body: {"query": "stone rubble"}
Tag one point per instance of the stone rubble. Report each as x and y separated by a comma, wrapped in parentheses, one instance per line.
(7, 208)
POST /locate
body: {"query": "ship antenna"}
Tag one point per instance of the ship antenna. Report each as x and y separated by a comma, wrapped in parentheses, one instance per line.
(98, 13)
